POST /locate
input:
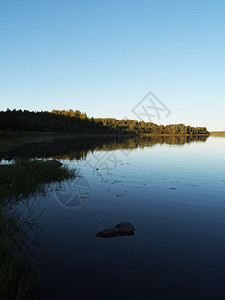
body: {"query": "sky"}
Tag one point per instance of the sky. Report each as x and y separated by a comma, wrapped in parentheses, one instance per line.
(104, 57)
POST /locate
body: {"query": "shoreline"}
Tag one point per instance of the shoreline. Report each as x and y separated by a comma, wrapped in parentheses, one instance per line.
(217, 133)
(9, 140)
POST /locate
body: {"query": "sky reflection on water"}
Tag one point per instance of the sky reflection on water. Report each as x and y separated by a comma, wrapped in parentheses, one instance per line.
(175, 197)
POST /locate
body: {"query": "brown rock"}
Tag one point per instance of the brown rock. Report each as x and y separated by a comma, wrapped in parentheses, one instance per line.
(122, 229)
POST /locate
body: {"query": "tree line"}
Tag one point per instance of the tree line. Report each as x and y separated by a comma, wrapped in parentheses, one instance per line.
(70, 121)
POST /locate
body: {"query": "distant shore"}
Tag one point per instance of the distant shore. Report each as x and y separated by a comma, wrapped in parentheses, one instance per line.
(173, 134)
(10, 139)
(217, 133)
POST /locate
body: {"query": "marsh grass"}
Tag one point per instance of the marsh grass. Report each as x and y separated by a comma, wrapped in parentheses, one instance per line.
(25, 177)
(19, 268)
(19, 273)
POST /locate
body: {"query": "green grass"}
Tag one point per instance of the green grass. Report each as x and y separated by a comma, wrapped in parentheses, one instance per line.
(19, 272)
(27, 177)
(217, 133)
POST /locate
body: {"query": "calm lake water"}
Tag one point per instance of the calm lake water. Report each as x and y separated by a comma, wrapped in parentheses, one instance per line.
(171, 189)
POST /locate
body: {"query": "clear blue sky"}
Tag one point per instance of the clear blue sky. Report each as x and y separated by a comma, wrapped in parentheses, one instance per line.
(102, 57)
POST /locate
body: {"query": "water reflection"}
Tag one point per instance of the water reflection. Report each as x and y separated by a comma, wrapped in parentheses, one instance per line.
(70, 193)
(175, 197)
(78, 148)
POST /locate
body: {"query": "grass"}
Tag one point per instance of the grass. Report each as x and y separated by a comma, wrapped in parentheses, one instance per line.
(217, 133)
(19, 272)
(18, 276)
(26, 177)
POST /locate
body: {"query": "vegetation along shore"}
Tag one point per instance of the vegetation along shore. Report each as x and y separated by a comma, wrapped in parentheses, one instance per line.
(76, 122)
(19, 272)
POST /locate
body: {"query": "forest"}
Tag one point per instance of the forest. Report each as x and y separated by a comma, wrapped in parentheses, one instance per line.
(70, 121)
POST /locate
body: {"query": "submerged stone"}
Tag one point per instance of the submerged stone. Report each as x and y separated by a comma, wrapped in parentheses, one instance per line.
(122, 229)
(53, 162)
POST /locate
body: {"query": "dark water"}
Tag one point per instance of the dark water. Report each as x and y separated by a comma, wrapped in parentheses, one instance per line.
(172, 189)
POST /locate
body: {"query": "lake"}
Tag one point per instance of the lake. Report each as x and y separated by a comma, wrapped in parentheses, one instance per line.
(171, 188)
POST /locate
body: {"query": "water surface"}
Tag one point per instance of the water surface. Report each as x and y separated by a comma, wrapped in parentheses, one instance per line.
(172, 189)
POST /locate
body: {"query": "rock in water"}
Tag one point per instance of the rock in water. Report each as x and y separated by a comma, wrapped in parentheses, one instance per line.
(108, 233)
(124, 228)
(53, 162)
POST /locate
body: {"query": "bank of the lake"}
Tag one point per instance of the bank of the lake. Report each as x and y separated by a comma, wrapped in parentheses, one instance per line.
(10, 140)
(217, 133)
